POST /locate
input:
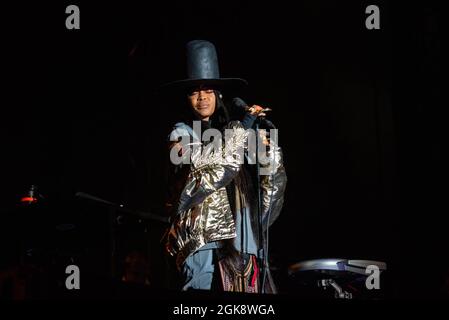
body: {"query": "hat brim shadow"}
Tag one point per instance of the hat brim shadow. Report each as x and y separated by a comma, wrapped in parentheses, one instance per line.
(222, 83)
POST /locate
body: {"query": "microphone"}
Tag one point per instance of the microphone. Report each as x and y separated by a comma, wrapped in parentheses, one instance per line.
(247, 122)
(243, 105)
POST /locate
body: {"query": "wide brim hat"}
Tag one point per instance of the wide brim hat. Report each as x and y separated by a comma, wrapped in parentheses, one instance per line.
(203, 70)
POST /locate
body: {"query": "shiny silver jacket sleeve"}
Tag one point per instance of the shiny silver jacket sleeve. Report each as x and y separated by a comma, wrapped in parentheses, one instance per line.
(214, 171)
(203, 212)
(273, 186)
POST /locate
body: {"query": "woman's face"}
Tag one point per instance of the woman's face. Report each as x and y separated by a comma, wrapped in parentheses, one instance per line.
(202, 101)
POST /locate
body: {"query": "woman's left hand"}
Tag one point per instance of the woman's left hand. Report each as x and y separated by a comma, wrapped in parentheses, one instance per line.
(257, 110)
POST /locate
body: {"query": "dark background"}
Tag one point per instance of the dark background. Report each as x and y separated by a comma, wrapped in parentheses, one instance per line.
(359, 114)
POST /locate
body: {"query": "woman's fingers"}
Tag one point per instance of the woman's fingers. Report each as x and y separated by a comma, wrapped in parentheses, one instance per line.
(257, 110)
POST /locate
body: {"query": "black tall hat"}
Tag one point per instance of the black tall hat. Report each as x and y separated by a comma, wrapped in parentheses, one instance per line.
(202, 69)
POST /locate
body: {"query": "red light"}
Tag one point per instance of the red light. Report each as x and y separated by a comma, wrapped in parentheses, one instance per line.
(28, 199)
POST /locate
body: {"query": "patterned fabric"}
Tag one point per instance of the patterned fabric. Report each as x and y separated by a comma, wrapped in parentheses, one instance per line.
(243, 277)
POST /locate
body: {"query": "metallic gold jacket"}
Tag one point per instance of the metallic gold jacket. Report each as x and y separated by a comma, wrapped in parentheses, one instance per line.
(203, 213)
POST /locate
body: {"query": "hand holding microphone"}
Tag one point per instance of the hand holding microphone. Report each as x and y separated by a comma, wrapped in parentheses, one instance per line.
(255, 110)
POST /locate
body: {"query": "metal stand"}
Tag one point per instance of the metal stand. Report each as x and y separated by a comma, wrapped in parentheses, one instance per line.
(262, 253)
(339, 292)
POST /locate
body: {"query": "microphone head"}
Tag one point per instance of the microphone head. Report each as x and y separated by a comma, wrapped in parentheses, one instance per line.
(239, 103)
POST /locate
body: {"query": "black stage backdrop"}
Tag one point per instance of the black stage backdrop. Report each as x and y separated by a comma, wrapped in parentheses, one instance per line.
(359, 114)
